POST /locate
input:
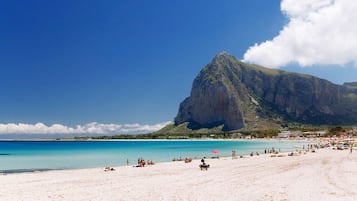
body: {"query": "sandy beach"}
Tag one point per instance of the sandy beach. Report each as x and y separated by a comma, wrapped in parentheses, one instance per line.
(324, 175)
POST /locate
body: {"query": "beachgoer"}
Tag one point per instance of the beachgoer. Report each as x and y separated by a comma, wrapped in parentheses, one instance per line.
(350, 148)
(188, 160)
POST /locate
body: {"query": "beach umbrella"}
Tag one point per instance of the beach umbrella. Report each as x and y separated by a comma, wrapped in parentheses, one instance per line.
(215, 151)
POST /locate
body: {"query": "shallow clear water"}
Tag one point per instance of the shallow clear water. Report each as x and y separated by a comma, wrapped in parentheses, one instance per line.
(22, 156)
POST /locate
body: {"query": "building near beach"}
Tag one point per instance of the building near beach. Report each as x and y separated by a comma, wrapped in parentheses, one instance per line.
(315, 133)
(288, 134)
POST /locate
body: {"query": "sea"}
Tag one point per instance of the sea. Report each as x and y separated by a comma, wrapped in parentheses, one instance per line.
(30, 156)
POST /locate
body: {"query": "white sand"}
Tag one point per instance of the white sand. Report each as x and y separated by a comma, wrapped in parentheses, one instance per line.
(325, 175)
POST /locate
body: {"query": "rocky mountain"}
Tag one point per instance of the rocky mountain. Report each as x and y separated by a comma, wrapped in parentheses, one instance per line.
(236, 95)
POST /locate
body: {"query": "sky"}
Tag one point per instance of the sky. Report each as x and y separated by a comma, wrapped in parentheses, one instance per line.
(111, 67)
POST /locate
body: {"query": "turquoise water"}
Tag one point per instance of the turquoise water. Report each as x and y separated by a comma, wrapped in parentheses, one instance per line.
(23, 156)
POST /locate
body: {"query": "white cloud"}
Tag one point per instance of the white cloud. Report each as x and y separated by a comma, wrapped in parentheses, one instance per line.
(321, 32)
(90, 128)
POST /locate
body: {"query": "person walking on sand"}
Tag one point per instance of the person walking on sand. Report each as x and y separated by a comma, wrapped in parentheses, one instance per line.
(351, 145)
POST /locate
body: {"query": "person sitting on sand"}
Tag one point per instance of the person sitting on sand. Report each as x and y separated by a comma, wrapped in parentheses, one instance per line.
(108, 169)
(151, 162)
(188, 160)
(204, 165)
(141, 162)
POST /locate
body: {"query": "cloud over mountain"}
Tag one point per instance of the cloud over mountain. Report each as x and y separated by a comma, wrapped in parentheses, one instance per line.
(86, 129)
(319, 32)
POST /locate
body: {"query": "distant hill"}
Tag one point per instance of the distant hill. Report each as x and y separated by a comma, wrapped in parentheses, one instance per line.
(352, 85)
(232, 95)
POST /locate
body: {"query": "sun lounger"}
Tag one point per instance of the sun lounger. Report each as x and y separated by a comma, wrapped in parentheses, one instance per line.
(204, 166)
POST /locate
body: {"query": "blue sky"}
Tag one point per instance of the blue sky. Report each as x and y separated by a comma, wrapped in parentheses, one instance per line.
(131, 63)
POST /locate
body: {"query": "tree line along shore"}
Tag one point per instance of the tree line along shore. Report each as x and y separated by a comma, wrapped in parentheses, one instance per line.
(298, 133)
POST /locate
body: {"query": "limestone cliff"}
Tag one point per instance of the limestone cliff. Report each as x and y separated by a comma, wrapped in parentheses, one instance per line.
(237, 95)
